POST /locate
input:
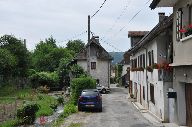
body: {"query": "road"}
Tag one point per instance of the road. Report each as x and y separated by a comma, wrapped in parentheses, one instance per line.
(118, 111)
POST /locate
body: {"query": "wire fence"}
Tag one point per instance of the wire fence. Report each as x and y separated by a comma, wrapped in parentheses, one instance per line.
(8, 108)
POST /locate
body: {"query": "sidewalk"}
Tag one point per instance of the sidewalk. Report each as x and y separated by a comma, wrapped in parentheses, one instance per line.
(150, 116)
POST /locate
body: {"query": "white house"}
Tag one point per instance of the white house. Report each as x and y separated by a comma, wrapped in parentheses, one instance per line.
(149, 77)
(182, 59)
(98, 64)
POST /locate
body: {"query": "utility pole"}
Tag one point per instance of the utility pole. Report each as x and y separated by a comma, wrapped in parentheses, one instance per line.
(88, 49)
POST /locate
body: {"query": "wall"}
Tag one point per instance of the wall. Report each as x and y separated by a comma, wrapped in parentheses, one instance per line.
(181, 57)
(125, 69)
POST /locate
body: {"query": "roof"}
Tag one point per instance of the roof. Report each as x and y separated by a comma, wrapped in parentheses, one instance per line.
(154, 4)
(159, 28)
(137, 33)
(102, 54)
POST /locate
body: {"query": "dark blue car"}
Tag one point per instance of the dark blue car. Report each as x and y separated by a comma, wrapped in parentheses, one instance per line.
(90, 99)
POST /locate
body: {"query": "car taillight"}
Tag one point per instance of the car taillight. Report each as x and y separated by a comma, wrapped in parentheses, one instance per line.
(80, 98)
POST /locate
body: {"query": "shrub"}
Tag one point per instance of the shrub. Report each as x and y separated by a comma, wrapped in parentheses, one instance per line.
(69, 109)
(43, 89)
(60, 100)
(26, 114)
(79, 84)
(50, 80)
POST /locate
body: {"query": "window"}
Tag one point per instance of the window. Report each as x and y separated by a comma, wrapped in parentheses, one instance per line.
(93, 65)
(179, 24)
(152, 93)
(143, 60)
(143, 92)
(190, 14)
(149, 55)
(152, 57)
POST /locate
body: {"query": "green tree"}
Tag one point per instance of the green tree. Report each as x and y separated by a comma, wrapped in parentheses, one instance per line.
(7, 62)
(18, 49)
(47, 55)
(75, 45)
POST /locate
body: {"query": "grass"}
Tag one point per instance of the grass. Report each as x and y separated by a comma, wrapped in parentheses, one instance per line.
(9, 94)
(9, 123)
(45, 101)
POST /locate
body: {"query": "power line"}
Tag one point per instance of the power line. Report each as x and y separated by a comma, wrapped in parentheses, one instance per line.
(133, 17)
(98, 9)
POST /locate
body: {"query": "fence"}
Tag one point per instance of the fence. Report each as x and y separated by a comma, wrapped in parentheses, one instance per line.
(8, 109)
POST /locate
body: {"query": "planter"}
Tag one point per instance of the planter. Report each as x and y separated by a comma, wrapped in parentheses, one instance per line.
(149, 68)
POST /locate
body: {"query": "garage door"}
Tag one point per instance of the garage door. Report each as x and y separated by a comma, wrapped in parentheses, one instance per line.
(188, 95)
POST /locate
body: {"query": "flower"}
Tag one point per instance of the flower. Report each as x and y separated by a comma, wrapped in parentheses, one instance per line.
(182, 30)
(190, 26)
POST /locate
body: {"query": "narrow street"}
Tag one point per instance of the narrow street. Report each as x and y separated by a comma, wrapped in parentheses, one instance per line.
(118, 111)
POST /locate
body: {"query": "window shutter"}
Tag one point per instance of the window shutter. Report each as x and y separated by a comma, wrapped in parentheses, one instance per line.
(152, 56)
(179, 24)
(143, 60)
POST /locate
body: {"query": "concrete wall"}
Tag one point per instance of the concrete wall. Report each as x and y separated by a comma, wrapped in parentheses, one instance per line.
(125, 66)
(182, 57)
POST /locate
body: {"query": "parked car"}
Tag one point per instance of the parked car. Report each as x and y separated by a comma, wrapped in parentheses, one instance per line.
(90, 99)
(103, 89)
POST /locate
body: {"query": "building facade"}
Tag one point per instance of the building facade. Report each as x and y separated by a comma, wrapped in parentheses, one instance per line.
(150, 80)
(96, 61)
(182, 58)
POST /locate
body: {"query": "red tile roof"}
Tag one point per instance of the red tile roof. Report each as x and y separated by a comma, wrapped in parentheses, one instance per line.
(137, 33)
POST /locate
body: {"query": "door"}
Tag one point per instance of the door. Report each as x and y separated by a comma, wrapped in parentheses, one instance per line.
(188, 97)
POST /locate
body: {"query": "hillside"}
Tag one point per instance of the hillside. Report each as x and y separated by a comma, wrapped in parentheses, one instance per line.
(117, 57)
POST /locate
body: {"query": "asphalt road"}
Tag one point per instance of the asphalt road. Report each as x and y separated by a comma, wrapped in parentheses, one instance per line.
(117, 112)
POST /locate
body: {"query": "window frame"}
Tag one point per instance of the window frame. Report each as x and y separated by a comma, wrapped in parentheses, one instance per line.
(93, 65)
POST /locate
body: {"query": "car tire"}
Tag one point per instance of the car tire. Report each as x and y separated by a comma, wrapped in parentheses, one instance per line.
(100, 109)
(104, 91)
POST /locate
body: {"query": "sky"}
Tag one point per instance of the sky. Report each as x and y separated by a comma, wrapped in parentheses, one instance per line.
(35, 20)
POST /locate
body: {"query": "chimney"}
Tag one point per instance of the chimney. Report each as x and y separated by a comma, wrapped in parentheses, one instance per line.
(97, 39)
(161, 16)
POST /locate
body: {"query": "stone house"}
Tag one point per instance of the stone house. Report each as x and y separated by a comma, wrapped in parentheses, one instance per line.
(182, 59)
(98, 64)
(149, 79)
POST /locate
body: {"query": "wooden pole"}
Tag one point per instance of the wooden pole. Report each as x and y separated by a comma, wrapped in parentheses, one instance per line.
(88, 50)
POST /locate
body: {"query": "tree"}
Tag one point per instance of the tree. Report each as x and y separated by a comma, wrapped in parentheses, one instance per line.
(18, 49)
(7, 62)
(75, 45)
(47, 55)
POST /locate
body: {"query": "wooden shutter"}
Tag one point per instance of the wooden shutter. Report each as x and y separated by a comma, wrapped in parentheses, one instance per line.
(152, 56)
(143, 60)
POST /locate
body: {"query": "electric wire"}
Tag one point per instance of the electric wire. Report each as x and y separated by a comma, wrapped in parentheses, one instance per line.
(98, 9)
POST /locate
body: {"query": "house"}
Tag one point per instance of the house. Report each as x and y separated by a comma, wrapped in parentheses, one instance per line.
(96, 61)
(125, 68)
(182, 58)
(149, 77)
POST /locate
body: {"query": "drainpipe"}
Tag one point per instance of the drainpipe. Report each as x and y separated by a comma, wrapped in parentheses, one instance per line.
(146, 51)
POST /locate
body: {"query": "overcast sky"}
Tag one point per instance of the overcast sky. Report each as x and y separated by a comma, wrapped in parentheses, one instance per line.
(35, 20)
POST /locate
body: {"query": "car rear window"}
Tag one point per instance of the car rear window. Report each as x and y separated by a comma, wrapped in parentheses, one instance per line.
(89, 93)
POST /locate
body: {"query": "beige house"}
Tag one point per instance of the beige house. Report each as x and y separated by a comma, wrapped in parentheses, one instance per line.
(96, 61)
(182, 58)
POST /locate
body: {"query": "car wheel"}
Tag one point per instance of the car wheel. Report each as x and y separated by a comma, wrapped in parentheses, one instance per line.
(104, 91)
(100, 109)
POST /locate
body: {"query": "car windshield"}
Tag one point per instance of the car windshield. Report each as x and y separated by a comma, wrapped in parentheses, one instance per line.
(89, 93)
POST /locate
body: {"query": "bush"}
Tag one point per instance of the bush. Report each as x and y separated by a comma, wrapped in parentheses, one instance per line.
(69, 109)
(60, 100)
(79, 84)
(50, 80)
(26, 114)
